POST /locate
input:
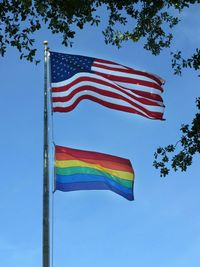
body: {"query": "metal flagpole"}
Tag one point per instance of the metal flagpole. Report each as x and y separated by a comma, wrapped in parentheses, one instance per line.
(46, 232)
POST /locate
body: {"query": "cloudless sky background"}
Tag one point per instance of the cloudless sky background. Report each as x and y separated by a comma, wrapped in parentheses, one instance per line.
(99, 228)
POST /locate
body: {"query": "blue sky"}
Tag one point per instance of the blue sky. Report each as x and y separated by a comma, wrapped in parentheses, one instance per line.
(99, 228)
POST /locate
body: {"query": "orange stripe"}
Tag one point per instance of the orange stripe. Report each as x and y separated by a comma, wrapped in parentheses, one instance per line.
(90, 155)
(103, 163)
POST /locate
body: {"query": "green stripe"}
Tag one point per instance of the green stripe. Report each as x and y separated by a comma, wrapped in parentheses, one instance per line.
(79, 170)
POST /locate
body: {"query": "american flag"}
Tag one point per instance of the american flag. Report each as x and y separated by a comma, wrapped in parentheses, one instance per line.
(74, 78)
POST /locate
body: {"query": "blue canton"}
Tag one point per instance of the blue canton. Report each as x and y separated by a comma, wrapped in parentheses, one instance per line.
(64, 66)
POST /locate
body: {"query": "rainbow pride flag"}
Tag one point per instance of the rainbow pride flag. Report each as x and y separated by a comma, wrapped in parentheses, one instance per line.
(86, 170)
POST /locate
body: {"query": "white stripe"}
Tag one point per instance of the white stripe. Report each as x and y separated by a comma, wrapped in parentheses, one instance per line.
(70, 103)
(140, 88)
(123, 74)
(139, 96)
(111, 83)
(100, 87)
(115, 66)
(106, 99)
(71, 79)
(92, 75)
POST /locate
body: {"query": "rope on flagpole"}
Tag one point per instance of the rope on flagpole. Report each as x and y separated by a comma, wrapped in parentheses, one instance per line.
(46, 233)
(52, 208)
(52, 160)
(52, 228)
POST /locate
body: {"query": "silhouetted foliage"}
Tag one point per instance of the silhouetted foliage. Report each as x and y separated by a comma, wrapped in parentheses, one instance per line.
(189, 145)
(152, 23)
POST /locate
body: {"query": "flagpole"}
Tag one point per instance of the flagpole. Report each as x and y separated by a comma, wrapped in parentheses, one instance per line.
(46, 231)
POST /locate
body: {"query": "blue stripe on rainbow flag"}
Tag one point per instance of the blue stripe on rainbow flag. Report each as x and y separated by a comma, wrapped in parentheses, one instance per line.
(89, 182)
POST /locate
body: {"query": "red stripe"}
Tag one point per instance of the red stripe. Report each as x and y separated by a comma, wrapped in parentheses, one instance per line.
(147, 74)
(105, 61)
(149, 114)
(91, 155)
(104, 163)
(93, 79)
(147, 95)
(129, 80)
(128, 70)
(119, 88)
(101, 91)
(105, 93)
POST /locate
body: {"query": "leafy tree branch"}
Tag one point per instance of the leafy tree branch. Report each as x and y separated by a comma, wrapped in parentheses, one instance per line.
(188, 146)
(152, 21)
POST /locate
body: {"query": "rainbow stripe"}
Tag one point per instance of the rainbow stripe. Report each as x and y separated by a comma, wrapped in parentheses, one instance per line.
(86, 170)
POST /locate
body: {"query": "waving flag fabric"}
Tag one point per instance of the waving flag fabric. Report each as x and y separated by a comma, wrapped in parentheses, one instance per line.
(86, 170)
(74, 78)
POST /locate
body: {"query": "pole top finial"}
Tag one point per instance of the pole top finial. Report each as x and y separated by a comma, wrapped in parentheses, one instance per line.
(45, 42)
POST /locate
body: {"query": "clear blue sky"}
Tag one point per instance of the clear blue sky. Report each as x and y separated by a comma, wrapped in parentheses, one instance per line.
(99, 228)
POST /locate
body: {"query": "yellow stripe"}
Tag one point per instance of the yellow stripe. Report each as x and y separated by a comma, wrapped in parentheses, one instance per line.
(78, 163)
